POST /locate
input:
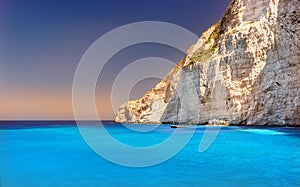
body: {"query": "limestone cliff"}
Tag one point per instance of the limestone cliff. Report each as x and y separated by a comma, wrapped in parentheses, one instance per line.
(243, 70)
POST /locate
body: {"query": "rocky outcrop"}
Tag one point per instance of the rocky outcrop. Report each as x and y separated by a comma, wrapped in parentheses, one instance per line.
(244, 70)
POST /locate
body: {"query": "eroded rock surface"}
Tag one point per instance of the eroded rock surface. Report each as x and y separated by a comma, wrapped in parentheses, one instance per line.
(243, 70)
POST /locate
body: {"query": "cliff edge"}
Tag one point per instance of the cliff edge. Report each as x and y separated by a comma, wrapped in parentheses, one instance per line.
(244, 70)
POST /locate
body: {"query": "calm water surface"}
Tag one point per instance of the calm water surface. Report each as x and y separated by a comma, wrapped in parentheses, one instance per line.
(54, 154)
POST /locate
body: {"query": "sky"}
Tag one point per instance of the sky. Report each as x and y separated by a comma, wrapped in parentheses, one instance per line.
(42, 42)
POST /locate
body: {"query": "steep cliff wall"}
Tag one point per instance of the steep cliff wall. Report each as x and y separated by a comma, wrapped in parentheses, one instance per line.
(243, 70)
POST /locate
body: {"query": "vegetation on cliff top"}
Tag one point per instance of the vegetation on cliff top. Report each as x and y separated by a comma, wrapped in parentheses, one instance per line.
(204, 54)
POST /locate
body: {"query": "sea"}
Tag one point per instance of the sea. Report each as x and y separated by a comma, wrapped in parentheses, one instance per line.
(56, 153)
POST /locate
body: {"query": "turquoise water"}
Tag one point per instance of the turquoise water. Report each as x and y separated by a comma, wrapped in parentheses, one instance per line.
(54, 154)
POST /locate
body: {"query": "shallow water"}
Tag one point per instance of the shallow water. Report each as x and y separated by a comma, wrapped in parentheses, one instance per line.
(54, 154)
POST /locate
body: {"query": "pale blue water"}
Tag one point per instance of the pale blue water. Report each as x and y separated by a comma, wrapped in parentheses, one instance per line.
(54, 154)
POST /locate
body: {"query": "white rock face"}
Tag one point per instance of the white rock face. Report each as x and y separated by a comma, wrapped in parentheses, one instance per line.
(244, 70)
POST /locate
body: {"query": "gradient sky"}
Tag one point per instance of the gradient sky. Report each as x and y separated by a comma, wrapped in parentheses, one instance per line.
(42, 42)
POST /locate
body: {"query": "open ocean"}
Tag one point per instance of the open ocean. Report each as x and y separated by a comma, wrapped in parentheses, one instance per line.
(55, 154)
